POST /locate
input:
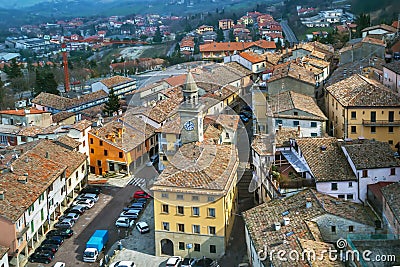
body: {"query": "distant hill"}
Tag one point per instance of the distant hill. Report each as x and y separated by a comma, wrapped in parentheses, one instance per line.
(383, 10)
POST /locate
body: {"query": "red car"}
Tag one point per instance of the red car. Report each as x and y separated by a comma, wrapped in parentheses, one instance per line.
(141, 194)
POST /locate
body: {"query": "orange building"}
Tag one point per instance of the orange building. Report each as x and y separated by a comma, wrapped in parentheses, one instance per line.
(121, 145)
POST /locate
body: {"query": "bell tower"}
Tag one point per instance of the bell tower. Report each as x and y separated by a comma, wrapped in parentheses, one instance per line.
(191, 112)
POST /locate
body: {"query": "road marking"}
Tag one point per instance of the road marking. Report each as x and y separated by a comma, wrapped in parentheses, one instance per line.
(137, 181)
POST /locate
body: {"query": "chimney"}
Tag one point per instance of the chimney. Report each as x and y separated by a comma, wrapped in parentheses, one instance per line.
(298, 128)
(47, 155)
(277, 226)
(2, 195)
(308, 203)
(280, 126)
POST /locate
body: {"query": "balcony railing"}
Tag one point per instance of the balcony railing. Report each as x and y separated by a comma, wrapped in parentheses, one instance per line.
(22, 232)
(381, 123)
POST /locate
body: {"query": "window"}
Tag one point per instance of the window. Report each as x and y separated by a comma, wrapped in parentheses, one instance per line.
(227, 135)
(373, 116)
(353, 115)
(165, 208)
(341, 196)
(32, 227)
(350, 196)
(314, 134)
(353, 129)
(120, 155)
(211, 230)
(195, 198)
(390, 142)
(373, 129)
(351, 228)
(334, 186)
(92, 150)
(211, 212)
(91, 140)
(196, 247)
(83, 168)
(180, 210)
(100, 142)
(84, 143)
(390, 129)
(164, 195)
(165, 226)
(195, 211)
(295, 113)
(278, 122)
(213, 249)
(313, 124)
(392, 171)
(99, 163)
(181, 245)
(350, 184)
(211, 199)
(365, 173)
(196, 229)
(391, 116)
(295, 123)
(179, 197)
(105, 152)
(69, 184)
(333, 229)
(181, 227)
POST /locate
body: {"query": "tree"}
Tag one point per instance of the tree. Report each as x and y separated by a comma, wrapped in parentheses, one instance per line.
(363, 21)
(112, 105)
(278, 44)
(157, 36)
(220, 35)
(45, 82)
(232, 37)
(14, 70)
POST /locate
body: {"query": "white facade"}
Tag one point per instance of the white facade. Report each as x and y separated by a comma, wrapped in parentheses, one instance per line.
(4, 261)
(120, 89)
(35, 216)
(81, 136)
(308, 128)
(345, 189)
(253, 255)
(74, 180)
(371, 176)
(56, 194)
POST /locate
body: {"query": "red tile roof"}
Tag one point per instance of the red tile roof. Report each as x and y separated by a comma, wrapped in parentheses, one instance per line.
(22, 112)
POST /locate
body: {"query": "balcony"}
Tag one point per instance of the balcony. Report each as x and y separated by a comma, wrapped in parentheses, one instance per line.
(22, 232)
(381, 123)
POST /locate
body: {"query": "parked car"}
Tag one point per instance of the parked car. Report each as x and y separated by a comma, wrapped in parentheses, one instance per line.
(123, 264)
(93, 197)
(124, 222)
(65, 224)
(141, 194)
(72, 216)
(142, 227)
(247, 114)
(66, 233)
(141, 200)
(43, 257)
(137, 205)
(189, 262)
(174, 261)
(154, 158)
(131, 213)
(76, 209)
(47, 247)
(57, 240)
(243, 118)
(206, 262)
(91, 190)
(87, 203)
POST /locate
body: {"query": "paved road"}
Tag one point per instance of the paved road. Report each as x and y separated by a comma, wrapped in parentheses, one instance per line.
(101, 216)
(289, 34)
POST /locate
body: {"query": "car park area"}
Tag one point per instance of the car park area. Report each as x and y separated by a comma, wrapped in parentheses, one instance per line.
(102, 215)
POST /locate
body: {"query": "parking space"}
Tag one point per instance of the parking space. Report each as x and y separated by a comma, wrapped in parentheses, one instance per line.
(101, 216)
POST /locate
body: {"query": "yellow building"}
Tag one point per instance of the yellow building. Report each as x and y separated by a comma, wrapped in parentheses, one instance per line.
(195, 201)
(361, 107)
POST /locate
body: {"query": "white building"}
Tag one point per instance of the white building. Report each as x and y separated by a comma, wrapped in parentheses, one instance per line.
(121, 85)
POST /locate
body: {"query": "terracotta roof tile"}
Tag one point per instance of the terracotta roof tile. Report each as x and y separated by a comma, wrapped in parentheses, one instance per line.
(294, 71)
(252, 57)
(363, 92)
(60, 116)
(115, 81)
(370, 154)
(392, 197)
(176, 80)
(381, 26)
(289, 100)
(393, 66)
(260, 221)
(263, 144)
(22, 112)
(65, 140)
(200, 166)
(326, 159)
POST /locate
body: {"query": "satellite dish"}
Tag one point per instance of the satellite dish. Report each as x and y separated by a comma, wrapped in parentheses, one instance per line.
(254, 183)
